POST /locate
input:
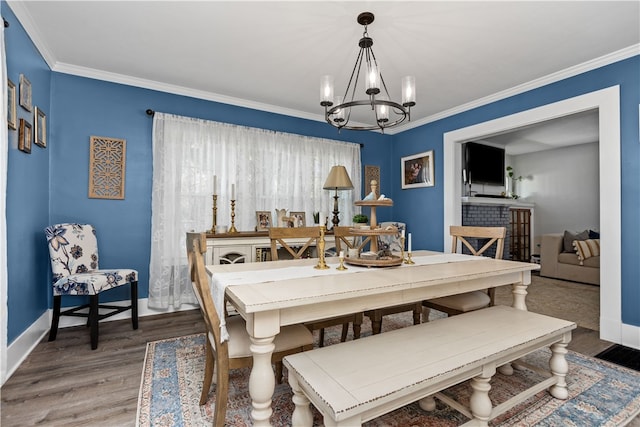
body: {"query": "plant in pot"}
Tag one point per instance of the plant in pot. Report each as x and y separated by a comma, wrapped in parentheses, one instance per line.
(360, 219)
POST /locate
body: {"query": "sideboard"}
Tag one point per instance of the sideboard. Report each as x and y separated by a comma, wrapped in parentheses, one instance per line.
(249, 246)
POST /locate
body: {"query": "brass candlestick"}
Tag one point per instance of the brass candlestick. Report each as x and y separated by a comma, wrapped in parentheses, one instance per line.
(322, 265)
(409, 260)
(215, 214)
(341, 266)
(233, 217)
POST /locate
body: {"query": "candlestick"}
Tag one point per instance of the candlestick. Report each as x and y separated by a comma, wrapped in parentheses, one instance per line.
(214, 222)
(341, 266)
(233, 216)
(322, 265)
(409, 260)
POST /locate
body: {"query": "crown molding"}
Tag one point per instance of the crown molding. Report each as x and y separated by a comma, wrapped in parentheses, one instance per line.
(593, 64)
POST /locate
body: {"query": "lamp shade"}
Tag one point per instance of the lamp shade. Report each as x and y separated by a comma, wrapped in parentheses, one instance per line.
(338, 179)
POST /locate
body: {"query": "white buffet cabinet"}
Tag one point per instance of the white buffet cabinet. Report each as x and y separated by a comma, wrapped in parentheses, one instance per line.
(249, 246)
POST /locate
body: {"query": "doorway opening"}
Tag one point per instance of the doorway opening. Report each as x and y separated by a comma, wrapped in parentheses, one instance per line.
(606, 102)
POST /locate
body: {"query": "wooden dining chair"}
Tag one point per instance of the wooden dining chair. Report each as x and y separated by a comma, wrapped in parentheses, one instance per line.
(469, 301)
(282, 238)
(234, 353)
(392, 243)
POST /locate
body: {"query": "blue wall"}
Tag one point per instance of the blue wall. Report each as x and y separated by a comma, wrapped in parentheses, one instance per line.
(50, 185)
(422, 208)
(27, 189)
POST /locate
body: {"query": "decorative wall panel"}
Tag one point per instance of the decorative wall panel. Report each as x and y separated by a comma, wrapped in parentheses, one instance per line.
(107, 159)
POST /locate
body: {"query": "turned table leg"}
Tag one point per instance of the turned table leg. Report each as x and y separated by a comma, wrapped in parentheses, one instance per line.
(262, 381)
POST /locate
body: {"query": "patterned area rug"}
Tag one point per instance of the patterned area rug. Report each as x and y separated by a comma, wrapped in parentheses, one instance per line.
(600, 393)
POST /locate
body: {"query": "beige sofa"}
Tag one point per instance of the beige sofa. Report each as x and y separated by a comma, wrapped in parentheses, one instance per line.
(566, 266)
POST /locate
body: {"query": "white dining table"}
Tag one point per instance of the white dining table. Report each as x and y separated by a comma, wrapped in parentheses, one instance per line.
(269, 295)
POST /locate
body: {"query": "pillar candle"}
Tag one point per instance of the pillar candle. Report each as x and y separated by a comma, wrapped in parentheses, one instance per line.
(341, 254)
(215, 184)
(233, 191)
(409, 246)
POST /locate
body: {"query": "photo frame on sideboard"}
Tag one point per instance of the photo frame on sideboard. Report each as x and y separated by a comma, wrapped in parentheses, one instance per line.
(417, 170)
(298, 219)
(263, 220)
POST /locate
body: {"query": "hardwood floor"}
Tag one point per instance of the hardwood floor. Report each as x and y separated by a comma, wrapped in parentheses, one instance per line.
(65, 383)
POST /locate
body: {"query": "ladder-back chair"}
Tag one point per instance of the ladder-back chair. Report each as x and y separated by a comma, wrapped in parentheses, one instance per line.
(469, 301)
(234, 353)
(281, 236)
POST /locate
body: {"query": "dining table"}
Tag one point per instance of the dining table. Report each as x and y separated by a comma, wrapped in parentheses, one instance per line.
(270, 295)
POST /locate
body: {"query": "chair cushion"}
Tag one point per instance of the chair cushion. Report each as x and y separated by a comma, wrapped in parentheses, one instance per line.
(464, 302)
(93, 282)
(290, 337)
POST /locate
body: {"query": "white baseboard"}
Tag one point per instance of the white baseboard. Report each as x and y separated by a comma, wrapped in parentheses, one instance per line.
(22, 346)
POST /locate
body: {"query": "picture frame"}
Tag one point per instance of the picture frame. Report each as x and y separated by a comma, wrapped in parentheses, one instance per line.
(263, 220)
(417, 170)
(25, 93)
(25, 136)
(297, 219)
(11, 105)
(40, 128)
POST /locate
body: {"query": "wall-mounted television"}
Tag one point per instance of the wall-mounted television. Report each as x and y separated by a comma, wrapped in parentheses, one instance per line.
(484, 164)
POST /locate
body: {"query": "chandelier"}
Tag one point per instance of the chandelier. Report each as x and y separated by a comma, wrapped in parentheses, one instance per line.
(386, 113)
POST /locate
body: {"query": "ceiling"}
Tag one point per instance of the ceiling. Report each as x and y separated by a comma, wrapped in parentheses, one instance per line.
(271, 55)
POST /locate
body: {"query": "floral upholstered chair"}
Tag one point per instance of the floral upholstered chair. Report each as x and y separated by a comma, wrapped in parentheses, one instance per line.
(73, 249)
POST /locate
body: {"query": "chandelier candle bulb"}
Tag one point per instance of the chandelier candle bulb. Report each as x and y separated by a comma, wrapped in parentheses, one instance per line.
(408, 91)
(326, 91)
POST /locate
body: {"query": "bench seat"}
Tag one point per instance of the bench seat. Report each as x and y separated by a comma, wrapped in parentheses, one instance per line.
(353, 382)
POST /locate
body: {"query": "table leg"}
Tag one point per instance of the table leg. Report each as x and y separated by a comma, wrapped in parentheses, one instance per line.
(262, 381)
(519, 291)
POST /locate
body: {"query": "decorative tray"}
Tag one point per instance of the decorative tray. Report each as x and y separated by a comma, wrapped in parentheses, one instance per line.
(384, 202)
(392, 262)
(372, 232)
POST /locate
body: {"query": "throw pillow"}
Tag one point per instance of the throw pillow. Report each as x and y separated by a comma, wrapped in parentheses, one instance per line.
(594, 234)
(587, 248)
(569, 237)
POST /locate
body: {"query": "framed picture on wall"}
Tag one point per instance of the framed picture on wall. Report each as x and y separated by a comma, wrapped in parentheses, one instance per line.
(25, 92)
(11, 105)
(417, 170)
(263, 220)
(24, 136)
(40, 120)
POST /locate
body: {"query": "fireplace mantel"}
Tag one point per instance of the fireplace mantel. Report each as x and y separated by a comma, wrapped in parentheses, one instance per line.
(516, 203)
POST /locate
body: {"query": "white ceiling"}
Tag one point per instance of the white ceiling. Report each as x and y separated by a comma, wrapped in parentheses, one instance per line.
(271, 55)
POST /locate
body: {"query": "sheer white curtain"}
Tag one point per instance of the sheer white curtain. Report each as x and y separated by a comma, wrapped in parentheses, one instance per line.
(4, 153)
(270, 170)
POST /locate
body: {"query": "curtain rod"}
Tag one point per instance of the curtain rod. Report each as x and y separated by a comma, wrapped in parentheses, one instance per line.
(150, 112)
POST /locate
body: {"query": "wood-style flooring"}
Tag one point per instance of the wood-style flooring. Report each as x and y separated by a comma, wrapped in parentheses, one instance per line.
(65, 383)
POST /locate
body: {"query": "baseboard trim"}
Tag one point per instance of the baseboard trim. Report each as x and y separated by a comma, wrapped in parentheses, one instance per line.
(24, 344)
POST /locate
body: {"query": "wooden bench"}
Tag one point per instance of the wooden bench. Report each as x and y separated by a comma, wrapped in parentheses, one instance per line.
(355, 381)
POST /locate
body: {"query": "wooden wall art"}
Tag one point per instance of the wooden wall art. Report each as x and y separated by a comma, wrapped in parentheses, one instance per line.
(107, 160)
(371, 172)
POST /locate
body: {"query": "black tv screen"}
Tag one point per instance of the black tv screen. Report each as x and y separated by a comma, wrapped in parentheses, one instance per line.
(485, 164)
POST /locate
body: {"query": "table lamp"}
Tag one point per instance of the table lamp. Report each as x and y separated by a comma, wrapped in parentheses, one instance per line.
(339, 180)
